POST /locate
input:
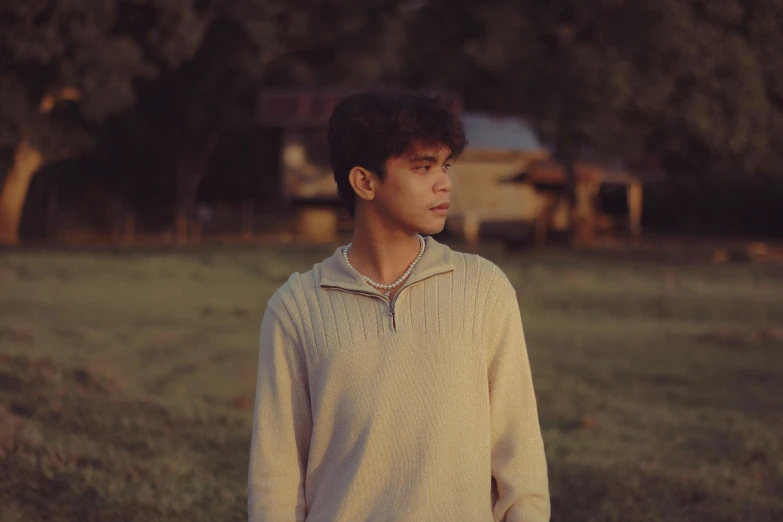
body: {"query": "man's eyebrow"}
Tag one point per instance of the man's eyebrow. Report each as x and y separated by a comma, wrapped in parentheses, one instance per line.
(423, 157)
(427, 156)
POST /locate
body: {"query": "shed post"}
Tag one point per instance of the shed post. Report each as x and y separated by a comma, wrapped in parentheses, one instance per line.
(634, 197)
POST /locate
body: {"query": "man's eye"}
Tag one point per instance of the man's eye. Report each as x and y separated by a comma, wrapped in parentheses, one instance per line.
(423, 168)
(446, 167)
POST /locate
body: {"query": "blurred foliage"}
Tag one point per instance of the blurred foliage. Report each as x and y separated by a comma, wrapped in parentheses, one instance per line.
(163, 81)
(84, 45)
(697, 83)
(670, 76)
(196, 62)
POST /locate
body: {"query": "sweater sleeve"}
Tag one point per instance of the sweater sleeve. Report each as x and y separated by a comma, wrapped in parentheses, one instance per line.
(282, 424)
(519, 468)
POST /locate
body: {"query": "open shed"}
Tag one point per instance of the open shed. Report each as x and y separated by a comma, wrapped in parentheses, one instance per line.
(508, 177)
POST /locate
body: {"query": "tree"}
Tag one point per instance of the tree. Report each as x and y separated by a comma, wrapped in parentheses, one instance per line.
(188, 69)
(70, 66)
(720, 130)
(545, 61)
(184, 115)
(697, 83)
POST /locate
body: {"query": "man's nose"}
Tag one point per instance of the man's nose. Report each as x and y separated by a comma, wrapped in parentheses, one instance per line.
(444, 183)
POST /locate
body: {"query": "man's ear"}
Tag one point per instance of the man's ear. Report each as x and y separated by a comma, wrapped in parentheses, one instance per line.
(363, 182)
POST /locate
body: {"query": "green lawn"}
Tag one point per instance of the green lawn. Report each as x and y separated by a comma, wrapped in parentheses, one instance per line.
(127, 380)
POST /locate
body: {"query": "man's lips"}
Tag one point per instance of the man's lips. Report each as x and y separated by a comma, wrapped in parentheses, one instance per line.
(441, 209)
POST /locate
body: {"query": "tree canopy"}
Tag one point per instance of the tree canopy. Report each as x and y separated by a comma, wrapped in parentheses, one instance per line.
(189, 69)
(69, 66)
(698, 83)
(695, 82)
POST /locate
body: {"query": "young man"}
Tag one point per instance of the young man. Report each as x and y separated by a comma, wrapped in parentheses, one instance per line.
(393, 378)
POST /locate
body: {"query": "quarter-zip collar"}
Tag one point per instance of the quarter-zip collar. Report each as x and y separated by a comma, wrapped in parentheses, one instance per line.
(335, 272)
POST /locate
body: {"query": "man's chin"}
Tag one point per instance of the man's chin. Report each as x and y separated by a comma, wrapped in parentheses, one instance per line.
(432, 228)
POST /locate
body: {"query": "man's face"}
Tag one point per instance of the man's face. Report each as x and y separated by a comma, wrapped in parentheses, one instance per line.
(415, 192)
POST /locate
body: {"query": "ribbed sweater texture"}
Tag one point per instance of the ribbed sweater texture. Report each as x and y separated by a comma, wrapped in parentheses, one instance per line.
(428, 414)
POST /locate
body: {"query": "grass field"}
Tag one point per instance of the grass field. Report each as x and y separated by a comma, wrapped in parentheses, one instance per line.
(127, 380)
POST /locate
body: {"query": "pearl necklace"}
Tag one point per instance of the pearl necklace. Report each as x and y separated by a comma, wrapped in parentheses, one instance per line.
(395, 284)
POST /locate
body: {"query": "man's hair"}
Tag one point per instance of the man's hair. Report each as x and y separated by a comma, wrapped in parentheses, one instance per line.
(368, 128)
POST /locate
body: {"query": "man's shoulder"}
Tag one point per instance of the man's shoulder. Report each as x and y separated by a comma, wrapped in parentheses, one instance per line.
(299, 286)
(476, 266)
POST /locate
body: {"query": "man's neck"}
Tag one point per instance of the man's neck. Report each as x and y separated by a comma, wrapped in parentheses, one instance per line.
(381, 254)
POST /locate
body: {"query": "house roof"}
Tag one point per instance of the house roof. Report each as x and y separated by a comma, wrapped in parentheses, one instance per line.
(499, 133)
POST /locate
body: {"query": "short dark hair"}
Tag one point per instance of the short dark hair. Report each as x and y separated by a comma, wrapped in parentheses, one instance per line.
(368, 128)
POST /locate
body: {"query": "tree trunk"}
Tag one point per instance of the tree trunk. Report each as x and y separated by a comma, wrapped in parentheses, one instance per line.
(190, 173)
(27, 161)
(189, 176)
(567, 156)
(181, 224)
(248, 214)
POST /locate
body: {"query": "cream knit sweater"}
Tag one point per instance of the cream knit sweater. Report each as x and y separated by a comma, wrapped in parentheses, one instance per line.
(420, 409)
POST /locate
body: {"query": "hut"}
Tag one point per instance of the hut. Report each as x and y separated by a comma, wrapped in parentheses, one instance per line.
(483, 203)
(307, 183)
(508, 184)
